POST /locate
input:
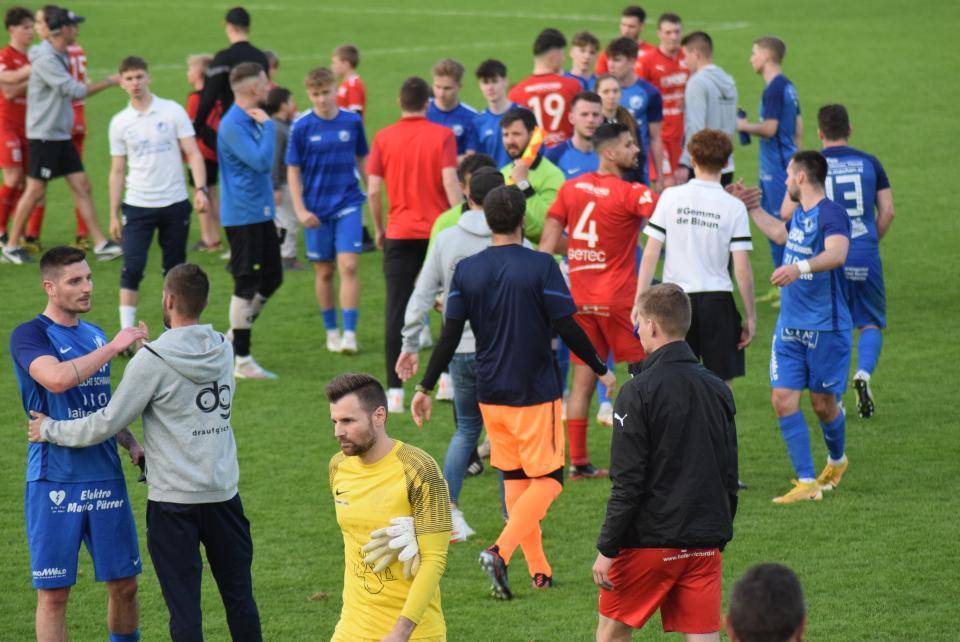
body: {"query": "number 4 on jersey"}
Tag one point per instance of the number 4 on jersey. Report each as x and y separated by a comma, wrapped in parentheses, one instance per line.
(586, 229)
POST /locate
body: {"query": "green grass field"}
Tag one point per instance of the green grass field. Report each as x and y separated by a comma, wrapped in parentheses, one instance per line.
(878, 557)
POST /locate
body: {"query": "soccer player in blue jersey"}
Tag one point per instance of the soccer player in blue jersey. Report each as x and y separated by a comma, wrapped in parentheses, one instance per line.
(640, 98)
(812, 338)
(447, 110)
(75, 495)
(325, 160)
(584, 47)
(576, 156)
(492, 76)
(780, 130)
(857, 181)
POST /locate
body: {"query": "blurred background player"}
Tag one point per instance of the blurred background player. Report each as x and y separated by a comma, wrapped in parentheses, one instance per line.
(148, 140)
(709, 101)
(632, 20)
(325, 159)
(492, 76)
(583, 57)
(14, 77)
(548, 93)
(245, 146)
(351, 94)
(781, 133)
(197, 66)
(812, 338)
(514, 299)
(601, 215)
(538, 178)
(644, 103)
(372, 478)
(411, 147)
(766, 605)
(857, 181)
(282, 108)
(447, 110)
(576, 156)
(273, 66)
(610, 92)
(665, 69)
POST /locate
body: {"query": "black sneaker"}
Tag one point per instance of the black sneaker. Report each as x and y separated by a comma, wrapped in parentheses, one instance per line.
(475, 467)
(587, 471)
(541, 581)
(865, 406)
(494, 566)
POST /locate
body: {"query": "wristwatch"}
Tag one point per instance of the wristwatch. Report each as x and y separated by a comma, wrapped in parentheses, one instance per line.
(204, 189)
(524, 185)
(419, 388)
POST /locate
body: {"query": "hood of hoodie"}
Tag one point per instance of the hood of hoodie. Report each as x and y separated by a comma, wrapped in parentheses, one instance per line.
(198, 352)
(721, 80)
(475, 222)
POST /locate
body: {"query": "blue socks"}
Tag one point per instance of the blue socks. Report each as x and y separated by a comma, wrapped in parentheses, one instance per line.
(834, 433)
(868, 349)
(349, 319)
(797, 438)
(602, 389)
(124, 637)
(329, 318)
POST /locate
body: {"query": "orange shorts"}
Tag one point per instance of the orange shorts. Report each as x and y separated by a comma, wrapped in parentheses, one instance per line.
(525, 437)
(13, 150)
(683, 583)
(609, 329)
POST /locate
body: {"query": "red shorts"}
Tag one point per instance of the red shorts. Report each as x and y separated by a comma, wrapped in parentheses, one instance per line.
(609, 329)
(683, 583)
(672, 151)
(13, 150)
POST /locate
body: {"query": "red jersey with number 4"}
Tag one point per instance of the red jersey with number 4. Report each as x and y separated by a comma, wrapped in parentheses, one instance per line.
(549, 97)
(669, 76)
(351, 95)
(78, 70)
(13, 111)
(602, 215)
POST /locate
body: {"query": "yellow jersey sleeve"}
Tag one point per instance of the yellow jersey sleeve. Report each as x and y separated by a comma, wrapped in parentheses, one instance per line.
(426, 490)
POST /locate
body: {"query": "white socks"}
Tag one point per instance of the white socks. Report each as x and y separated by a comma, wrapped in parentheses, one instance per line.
(128, 316)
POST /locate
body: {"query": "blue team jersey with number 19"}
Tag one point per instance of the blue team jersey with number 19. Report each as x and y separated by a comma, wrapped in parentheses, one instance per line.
(853, 180)
(815, 301)
(41, 337)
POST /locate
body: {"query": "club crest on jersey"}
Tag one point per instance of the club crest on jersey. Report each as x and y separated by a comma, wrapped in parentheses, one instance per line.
(457, 130)
(344, 135)
(161, 126)
(98, 341)
(636, 102)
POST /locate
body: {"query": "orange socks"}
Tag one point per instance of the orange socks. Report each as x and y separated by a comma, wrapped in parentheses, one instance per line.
(527, 503)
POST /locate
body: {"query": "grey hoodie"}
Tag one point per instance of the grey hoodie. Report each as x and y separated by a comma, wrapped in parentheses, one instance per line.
(709, 102)
(49, 94)
(182, 383)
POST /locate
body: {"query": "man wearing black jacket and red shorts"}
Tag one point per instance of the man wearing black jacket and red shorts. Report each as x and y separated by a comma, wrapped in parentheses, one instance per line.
(673, 464)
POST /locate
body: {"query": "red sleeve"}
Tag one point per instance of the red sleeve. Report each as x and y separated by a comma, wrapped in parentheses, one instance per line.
(374, 164)
(558, 209)
(193, 102)
(602, 63)
(641, 201)
(448, 155)
(516, 95)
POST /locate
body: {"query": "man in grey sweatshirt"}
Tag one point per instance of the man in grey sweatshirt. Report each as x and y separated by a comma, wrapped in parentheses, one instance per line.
(709, 100)
(182, 385)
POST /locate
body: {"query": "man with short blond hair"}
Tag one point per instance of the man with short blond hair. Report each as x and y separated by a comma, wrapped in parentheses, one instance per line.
(447, 110)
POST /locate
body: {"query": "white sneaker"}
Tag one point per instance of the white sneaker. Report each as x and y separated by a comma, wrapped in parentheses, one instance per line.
(605, 414)
(395, 400)
(461, 531)
(248, 368)
(107, 251)
(16, 256)
(484, 449)
(348, 342)
(445, 387)
(426, 339)
(333, 341)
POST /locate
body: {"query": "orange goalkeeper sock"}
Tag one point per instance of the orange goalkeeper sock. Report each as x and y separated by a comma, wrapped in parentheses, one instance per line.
(529, 507)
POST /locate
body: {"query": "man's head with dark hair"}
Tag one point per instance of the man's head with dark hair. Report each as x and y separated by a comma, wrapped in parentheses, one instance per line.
(348, 54)
(239, 18)
(504, 208)
(699, 41)
(632, 19)
(516, 128)
(185, 290)
(585, 39)
(710, 150)
(766, 605)
(56, 258)
(634, 11)
(664, 312)
(276, 99)
(669, 32)
(483, 180)
(807, 170)
(67, 279)
(519, 114)
(132, 63)
(491, 69)
(414, 94)
(608, 133)
(358, 408)
(833, 121)
(669, 17)
(623, 48)
(548, 40)
(767, 49)
(616, 146)
(17, 16)
(586, 114)
(244, 75)
(585, 96)
(471, 163)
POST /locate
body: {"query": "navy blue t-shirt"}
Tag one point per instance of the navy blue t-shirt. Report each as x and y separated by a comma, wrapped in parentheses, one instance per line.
(510, 295)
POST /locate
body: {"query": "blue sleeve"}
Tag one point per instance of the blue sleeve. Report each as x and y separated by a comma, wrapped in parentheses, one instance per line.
(556, 294)
(362, 148)
(292, 156)
(472, 136)
(882, 181)
(834, 221)
(28, 342)
(655, 107)
(257, 155)
(772, 102)
(456, 307)
(555, 153)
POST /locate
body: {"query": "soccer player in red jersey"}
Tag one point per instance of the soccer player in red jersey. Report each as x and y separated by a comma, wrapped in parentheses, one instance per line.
(666, 70)
(632, 20)
(351, 94)
(197, 66)
(14, 75)
(548, 93)
(602, 215)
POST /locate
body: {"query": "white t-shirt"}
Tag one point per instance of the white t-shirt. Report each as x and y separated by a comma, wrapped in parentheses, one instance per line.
(151, 142)
(699, 224)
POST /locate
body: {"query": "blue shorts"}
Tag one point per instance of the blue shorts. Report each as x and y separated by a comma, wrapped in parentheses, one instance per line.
(60, 515)
(866, 294)
(341, 233)
(817, 360)
(773, 188)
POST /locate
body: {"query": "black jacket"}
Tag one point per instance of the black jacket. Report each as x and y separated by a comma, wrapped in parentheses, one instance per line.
(673, 458)
(216, 86)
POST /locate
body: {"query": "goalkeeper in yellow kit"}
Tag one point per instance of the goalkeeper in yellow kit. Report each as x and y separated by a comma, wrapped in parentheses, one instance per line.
(393, 508)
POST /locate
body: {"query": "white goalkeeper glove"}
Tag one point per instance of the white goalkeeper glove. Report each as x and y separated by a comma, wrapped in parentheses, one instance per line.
(392, 543)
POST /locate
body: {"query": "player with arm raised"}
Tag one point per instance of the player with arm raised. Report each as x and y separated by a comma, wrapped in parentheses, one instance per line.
(601, 214)
(14, 76)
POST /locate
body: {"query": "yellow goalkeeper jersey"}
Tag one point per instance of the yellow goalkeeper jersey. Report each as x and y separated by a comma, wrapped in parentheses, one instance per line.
(407, 481)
